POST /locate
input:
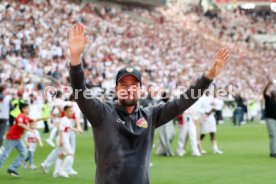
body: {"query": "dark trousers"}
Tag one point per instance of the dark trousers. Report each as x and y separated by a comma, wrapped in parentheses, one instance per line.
(46, 127)
(238, 116)
(218, 116)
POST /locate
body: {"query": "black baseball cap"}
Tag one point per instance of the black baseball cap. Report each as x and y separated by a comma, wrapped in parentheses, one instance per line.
(129, 71)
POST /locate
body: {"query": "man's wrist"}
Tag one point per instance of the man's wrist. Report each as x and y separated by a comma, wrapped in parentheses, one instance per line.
(75, 60)
(209, 75)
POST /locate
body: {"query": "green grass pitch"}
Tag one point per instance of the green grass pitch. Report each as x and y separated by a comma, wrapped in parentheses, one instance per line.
(245, 161)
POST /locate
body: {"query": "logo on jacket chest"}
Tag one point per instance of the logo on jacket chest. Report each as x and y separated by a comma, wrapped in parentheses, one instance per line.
(142, 123)
(121, 121)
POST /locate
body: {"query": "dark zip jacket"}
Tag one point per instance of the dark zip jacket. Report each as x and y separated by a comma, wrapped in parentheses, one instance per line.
(123, 142)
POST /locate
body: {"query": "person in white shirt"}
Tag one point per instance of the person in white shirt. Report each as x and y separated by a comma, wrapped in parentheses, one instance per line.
(189, 128)
(72, 137)
(65, 150)
(166, 133)
(57, 108)
(208, 123)
(4, 114)
(53, 155)
(32, 137)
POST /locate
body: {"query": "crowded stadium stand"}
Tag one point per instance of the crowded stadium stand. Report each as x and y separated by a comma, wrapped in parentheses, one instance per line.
(170, 44)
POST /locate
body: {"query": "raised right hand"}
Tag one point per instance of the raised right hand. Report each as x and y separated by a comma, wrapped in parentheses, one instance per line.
(77, 42)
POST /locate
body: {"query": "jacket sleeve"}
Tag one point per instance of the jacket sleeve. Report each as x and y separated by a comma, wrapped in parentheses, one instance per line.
(90, 106)
(163, 113)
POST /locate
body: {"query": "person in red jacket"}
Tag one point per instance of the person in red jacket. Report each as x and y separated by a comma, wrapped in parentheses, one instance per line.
(13, 139)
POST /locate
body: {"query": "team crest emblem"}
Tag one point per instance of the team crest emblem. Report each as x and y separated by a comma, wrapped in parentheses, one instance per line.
(142, 123)
(129, 70)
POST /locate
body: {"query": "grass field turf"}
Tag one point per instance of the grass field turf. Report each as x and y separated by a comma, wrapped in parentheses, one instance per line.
(245, 161)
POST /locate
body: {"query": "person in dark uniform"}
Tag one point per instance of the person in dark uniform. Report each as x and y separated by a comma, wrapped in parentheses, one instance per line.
(124, 131)
(270, 115)
(239, 111)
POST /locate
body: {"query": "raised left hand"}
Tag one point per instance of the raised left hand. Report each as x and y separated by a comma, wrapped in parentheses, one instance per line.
(219, 63)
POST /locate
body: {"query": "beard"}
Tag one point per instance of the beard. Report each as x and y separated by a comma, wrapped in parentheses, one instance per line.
(128, 102)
